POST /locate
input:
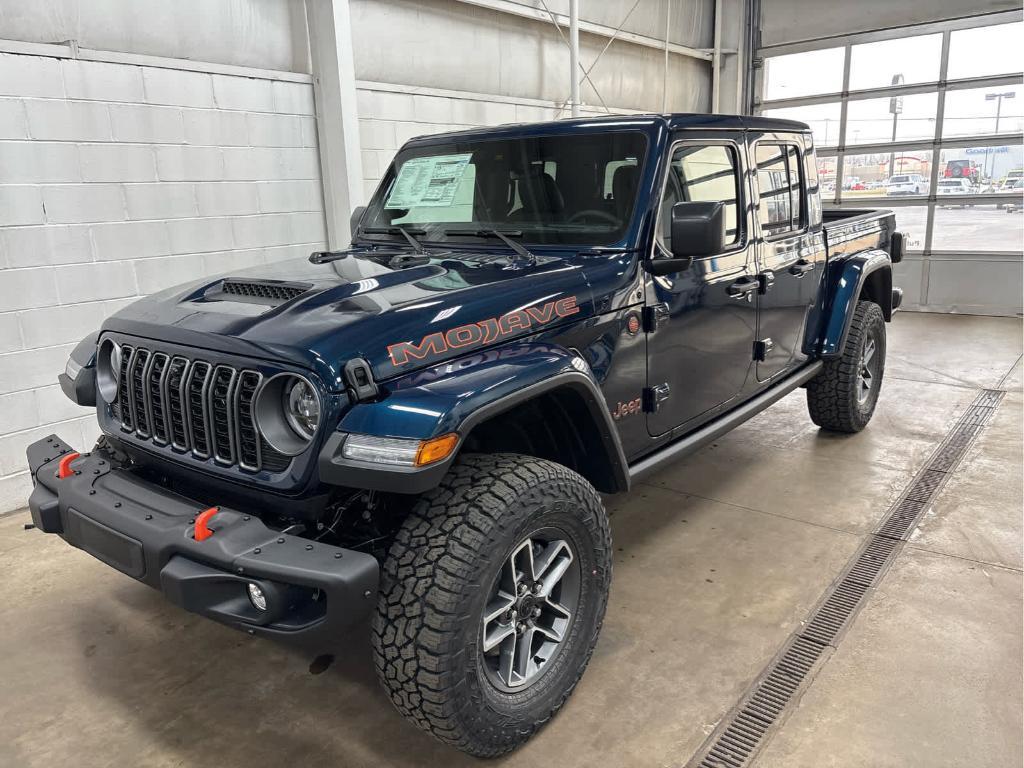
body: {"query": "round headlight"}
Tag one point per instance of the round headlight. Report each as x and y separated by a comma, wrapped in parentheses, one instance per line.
(108, 370)
(288, 412)
(301, 407)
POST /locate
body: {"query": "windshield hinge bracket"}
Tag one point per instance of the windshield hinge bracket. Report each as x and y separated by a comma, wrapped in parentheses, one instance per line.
(654, 316)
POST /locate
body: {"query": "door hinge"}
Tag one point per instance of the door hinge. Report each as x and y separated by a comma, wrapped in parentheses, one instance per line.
(655, 316)
(763, 348)
(653, 397)
(765, 280)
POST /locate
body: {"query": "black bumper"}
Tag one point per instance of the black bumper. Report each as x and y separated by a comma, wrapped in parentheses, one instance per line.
(314, 591)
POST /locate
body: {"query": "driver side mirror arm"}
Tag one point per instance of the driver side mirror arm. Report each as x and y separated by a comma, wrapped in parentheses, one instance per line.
(668, 266)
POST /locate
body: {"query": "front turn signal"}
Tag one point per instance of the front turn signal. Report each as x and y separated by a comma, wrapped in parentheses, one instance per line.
(436, 449)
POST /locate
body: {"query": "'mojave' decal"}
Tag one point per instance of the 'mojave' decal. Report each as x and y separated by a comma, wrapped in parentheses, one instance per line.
(483, 332)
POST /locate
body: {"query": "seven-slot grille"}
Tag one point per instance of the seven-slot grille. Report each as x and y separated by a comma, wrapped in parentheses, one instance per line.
(195, 406)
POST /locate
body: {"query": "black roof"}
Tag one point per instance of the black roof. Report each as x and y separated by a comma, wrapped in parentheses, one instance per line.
(678, 120)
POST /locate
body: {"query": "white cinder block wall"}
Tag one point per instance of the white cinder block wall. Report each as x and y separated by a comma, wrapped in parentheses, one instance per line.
(117, 181)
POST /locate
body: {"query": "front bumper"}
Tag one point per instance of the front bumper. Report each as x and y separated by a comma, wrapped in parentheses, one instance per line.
(314, 591)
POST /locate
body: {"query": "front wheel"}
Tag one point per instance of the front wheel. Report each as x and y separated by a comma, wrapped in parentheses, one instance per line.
(842, 397)
(492, 598)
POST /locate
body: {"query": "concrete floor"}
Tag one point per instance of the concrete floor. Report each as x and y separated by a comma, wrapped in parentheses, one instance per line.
(718, 558)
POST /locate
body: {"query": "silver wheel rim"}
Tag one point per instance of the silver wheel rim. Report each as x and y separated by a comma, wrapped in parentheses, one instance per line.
(867, 377)
(529, 611)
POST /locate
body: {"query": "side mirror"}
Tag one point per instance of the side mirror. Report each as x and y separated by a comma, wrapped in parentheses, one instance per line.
(698, 230)
(354, 219)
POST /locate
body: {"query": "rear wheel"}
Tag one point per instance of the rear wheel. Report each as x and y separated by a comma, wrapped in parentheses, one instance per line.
(842, 397)
(492, 597)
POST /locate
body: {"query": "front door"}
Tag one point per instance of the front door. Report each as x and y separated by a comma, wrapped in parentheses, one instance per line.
(790, 251)
(701, 320)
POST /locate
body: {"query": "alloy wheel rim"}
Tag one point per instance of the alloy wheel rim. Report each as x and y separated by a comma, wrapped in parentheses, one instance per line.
(868, 370)
(530, 611)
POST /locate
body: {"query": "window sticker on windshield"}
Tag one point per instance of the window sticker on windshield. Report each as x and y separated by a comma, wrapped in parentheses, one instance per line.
(428, 181)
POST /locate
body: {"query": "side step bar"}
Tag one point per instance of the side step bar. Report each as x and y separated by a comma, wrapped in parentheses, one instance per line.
(694, 441)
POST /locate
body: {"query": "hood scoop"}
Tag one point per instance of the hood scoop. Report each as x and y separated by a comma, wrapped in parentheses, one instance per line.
(269, 293)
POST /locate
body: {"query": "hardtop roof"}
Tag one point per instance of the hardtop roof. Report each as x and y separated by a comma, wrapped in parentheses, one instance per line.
(673, 121)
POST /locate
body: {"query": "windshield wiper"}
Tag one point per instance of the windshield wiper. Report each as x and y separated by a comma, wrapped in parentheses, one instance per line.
(505, 237)
(406, 233)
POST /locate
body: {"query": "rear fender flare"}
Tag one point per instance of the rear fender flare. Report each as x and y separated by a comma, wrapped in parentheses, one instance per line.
(863, 275)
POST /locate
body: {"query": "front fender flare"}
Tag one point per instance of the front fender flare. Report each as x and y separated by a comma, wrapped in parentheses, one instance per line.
(845, 284)
(457, 396)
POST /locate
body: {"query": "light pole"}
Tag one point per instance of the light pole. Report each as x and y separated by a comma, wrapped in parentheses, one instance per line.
(998, 99)
(895, 108)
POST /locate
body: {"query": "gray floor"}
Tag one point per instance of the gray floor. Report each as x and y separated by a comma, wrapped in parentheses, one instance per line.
(718, 559)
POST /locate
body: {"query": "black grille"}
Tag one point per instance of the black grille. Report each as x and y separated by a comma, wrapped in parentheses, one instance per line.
(275, 291)
(136, 374)
(194, 406)
(221, 390)
(248, 438)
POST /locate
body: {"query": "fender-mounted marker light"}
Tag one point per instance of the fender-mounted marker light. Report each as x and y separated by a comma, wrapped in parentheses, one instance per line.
(202, 533)
(436, 448)
(64, 467)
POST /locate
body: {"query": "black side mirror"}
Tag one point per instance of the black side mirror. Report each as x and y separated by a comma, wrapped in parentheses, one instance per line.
(354, 219)
(698, 229)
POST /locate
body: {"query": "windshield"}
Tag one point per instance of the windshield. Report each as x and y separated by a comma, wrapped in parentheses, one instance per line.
(568, 189)
(899, 180)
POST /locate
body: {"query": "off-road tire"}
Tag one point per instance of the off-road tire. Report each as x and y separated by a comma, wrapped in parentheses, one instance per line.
(832, 395)
(435, 583)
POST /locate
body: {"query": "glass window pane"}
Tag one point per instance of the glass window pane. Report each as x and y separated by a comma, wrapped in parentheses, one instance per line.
(986, 51)
(976, 228)
(779, 188)
(889, 174)
(804, 74)
(773, 188)
(985, 169)
(823, 119)
(912, 221)
(702, 174)
(895, 62)
(827, 177)
(981, 111)
(873, 121)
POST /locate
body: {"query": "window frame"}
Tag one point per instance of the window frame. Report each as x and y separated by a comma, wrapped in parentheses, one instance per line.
(736, 148)
(783, 141)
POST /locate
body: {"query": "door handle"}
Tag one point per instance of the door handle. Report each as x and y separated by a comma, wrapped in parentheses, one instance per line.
(801, 268)
(742, 289)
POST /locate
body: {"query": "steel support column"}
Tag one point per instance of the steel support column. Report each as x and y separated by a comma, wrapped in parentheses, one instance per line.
(337, 119)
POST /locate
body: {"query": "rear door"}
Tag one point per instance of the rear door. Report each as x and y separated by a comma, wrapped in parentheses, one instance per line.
(790, 248)
(703, 317)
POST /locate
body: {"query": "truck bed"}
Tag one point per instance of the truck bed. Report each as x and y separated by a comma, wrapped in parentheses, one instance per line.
(851, 230)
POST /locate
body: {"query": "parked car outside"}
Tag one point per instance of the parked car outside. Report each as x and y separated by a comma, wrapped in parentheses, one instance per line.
(906, 184)
(955, 187)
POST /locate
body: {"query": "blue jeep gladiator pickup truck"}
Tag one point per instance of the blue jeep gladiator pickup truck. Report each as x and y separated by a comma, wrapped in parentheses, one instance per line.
(415, 430)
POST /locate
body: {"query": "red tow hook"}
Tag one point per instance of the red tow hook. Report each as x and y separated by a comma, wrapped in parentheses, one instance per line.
(202, 532)
(64, 467)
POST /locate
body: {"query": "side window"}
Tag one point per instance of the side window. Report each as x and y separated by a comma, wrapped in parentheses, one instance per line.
(779, 187)
(702, 174)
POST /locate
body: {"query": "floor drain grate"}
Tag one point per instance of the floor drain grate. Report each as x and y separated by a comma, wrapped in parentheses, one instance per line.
(740, 736)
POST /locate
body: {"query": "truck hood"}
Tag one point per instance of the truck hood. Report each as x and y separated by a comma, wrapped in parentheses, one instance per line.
(397, 319)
